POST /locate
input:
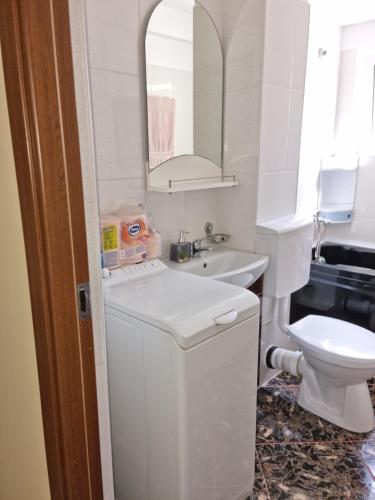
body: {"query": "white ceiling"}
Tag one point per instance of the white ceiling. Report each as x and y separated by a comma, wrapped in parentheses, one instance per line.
(348, 11)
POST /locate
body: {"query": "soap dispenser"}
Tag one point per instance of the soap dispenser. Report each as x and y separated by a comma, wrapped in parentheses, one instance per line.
(182, 250)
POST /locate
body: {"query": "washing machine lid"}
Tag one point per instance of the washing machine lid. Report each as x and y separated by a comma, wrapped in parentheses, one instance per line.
(191, 308)
(335, 341)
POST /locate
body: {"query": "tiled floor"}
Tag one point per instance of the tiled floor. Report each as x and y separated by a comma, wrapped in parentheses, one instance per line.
(301, 456)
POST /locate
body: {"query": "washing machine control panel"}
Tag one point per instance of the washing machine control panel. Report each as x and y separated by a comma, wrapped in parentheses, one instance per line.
(136, 271)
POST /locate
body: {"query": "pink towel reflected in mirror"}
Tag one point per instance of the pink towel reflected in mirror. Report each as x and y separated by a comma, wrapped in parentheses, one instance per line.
(161, 128)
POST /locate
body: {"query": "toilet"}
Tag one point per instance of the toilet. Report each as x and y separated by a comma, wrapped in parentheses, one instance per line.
(336, 358)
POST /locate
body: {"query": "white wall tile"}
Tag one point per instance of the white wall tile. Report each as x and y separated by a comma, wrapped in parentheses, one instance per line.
(320, 104)
(118, 132)
(361, 229)
(287, 26)
(279, 42)
(232, 13)
(113, 32)
(242, 116)
(237, 212)
(168, 213)
(364, 200)
(295, 129)
(244, 54)
(202, 207)
(291, 184)
(300, 44)
(271, 196)
(274, 129)
(241, 164)
(113, 193)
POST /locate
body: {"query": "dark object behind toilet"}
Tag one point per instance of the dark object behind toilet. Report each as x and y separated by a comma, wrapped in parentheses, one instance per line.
(343, 287)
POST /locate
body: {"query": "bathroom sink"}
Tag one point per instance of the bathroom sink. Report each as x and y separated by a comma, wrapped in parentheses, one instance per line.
(224, 264)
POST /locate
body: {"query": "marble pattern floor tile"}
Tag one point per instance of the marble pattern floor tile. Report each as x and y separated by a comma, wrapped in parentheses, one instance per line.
(281, 419)
(260, 491)
(284, 379)
(304, 457)
(315, 471)
(367, 451)
(369, 435)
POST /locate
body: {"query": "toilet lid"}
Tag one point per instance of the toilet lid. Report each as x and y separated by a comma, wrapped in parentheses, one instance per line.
(335, 341)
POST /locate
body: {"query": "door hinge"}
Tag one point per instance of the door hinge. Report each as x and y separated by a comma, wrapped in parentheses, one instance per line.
(83, 299)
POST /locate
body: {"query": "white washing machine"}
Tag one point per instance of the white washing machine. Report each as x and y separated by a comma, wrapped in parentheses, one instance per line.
(182, 357)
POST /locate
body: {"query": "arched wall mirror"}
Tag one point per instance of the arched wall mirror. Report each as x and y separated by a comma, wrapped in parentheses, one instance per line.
(184, 86)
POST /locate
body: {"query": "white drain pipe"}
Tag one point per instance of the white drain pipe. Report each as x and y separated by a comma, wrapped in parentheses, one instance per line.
(283, 359)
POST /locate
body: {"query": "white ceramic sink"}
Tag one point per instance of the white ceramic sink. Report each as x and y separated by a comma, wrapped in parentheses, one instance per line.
(224, 264)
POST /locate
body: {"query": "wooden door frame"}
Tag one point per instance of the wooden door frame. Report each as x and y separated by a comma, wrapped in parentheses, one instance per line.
(38, 71)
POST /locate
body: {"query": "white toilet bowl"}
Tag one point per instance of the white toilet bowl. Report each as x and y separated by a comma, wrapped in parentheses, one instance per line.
(338, 358)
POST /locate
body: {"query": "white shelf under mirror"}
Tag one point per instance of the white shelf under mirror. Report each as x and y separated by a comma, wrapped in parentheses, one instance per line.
(180, 185)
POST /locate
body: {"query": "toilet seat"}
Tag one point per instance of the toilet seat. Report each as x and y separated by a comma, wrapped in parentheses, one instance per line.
(335, 341)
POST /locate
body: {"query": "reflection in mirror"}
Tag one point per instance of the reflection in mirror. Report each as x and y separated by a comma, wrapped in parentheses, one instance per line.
(184, 73)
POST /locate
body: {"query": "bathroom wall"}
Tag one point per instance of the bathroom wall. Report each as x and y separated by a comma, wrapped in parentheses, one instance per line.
(362, 227)
(320, 104)
(115, 34)
(23, 465)
(286, 39)
(354, 131)
(262, 116)
(354, 110)
(243, 41)
(284, 68)
(336, 86)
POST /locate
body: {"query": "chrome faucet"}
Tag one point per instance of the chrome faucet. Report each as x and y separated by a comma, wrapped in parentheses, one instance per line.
(197, 248)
